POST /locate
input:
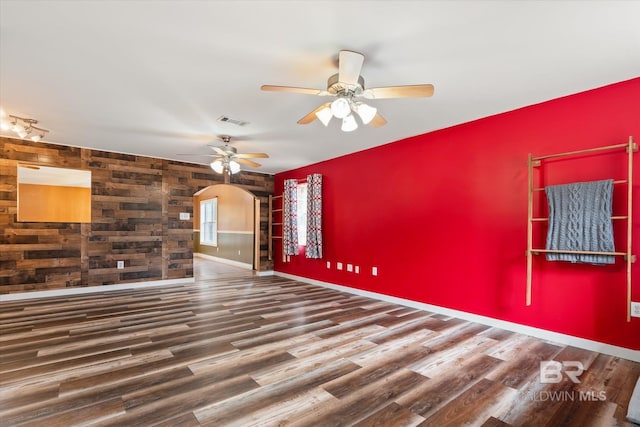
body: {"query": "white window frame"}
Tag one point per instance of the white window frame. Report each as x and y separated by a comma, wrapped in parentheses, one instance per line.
(209, 222)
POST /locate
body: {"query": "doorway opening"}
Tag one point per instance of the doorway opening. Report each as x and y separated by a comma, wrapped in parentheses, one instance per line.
(226, 226)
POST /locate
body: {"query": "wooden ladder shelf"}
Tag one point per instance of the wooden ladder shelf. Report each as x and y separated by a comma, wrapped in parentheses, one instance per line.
(630, 148)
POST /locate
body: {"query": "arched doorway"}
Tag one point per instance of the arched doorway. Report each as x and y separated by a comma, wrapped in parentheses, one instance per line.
(226, 225)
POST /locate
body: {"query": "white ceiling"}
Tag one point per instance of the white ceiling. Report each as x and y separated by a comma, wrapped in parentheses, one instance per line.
(151, 77)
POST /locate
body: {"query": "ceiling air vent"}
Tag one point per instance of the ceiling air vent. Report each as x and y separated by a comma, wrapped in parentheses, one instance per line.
(225, 119)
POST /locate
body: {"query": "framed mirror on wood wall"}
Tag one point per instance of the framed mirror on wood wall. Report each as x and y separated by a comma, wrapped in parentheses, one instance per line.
(48, 194)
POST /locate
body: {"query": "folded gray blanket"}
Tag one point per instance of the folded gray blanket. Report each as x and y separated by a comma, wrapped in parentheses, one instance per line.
(580, 220)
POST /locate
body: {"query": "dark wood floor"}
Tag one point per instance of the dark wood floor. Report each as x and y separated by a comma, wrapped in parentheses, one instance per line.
(238, 350)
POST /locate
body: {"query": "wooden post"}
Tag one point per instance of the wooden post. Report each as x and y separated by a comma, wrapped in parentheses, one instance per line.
(269, 228)
(630, 258)
(529, 227)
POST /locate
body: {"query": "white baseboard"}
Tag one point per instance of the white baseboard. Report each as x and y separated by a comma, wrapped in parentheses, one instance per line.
(264, 273)
(612, 350)
(233, 263)
(93, 289)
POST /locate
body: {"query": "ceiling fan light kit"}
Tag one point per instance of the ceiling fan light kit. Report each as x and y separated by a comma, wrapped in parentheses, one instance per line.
(227, 160)
(348, 85)
(220, 166)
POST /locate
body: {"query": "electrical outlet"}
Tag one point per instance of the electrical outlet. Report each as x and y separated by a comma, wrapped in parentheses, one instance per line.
(635, 309)
(374, 271)
(357, 269)
(120, 265)
(328, 264)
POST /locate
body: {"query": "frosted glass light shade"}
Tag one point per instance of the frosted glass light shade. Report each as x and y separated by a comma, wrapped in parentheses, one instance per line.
(340, 108)
(366, 112)
(324, 115)
(349, 123)
(217, 166)
(234, 167)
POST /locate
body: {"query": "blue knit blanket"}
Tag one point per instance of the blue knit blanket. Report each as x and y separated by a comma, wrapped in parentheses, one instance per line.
(580, 220)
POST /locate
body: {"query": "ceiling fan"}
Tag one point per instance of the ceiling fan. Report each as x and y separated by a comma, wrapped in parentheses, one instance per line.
(348, 86)
(227, 159)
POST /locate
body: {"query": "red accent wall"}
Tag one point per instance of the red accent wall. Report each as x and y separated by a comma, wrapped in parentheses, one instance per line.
(443, 216)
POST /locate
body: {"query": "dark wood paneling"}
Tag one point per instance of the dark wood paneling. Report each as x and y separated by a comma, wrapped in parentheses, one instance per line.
(136, 202)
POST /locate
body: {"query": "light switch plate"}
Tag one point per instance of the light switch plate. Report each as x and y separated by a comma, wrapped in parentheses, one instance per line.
(635, 309)
(185, 215)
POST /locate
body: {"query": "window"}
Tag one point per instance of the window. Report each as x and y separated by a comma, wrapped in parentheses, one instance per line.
(302, 214)
(209, 222)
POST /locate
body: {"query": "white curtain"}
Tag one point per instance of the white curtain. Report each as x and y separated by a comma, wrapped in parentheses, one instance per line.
(290, 217)
(314, 216)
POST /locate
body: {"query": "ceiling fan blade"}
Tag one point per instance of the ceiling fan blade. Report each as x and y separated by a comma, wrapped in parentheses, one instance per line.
(303, 90)
(218, 150)
(349, 66)
(312, 115)
(247, 162)
(252, 156)
(410, 91)
(202, 155)
(378, 121)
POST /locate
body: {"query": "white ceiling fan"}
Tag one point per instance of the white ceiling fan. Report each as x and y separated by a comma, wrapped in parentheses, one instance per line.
(227, 159)
(348, 87)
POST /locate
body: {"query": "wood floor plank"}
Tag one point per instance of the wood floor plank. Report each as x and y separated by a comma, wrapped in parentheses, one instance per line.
(234, 349)
(434, 394)
(495, 422)
(299, 365)
(183, 403)
(537, 403)
(477, 403)
(225, 412)
(391, 415)
(284, 411)
(446, 360)
(359, 405)
(516, 372)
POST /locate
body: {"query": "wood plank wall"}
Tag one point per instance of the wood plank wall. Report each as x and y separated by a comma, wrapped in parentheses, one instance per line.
(136, 203)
